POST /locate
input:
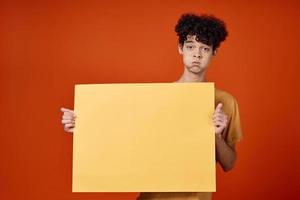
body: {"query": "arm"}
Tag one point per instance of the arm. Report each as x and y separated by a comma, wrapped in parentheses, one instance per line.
(225, 153)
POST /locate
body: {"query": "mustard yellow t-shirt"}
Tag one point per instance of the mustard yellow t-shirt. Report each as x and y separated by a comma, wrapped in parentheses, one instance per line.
(231, 134)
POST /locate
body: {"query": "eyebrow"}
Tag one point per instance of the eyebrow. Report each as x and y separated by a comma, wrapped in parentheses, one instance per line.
(189, 41)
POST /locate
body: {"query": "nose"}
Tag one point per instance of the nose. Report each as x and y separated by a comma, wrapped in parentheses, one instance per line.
(198, 54)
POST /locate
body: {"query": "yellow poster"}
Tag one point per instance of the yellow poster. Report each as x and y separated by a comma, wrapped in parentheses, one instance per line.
(151, 137)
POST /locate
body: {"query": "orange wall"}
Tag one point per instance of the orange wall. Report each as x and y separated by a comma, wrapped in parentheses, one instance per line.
(47, 47)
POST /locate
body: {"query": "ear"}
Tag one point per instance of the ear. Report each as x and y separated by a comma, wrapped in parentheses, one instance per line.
(215, 52)
(180, 49)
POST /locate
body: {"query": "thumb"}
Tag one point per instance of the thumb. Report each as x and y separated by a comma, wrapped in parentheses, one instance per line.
(219, 106)
(66, 110)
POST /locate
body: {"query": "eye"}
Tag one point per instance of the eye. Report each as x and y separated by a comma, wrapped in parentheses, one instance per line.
(206, 49)
(190, 47)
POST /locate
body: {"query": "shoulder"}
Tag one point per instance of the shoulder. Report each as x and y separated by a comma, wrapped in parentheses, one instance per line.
(223, 96)
(233, 132)
(228, 100)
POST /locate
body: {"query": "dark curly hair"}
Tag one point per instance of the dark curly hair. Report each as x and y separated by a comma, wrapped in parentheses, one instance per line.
(207, 29)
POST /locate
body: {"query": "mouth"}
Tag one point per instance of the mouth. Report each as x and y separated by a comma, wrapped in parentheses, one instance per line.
(196, 63)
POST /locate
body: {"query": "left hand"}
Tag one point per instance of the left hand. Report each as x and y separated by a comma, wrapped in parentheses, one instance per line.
(219, 119)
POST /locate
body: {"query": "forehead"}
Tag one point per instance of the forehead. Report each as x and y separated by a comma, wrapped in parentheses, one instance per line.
(191, 39)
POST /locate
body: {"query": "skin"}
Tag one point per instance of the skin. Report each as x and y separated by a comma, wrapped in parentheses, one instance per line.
(196, 59)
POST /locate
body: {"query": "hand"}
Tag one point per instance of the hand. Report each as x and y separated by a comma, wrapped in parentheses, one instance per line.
(219, 120)
(68, 120)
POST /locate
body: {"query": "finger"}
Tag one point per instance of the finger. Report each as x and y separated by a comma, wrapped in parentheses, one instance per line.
(71, 130)
(68, 129)
(219, 123)
(69, 114)
(219, 107)
(68, 117)
(220, 120)
(225, 116)
(220, 113)
(219, 116)
(67, 121)
(69, 126)
(223, 125)
(66, 110)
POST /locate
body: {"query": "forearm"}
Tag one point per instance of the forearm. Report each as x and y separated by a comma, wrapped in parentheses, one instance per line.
(225, 154)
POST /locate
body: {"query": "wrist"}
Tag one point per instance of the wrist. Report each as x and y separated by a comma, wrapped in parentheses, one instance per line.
(218, 139)
(218, 135)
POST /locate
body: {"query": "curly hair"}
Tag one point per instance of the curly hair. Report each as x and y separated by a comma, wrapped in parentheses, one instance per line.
(207, 29)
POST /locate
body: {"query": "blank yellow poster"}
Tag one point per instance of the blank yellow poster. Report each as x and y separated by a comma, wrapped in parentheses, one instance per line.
(152, 137)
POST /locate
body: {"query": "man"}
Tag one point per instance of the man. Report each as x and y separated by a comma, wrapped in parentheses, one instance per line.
(199, 38)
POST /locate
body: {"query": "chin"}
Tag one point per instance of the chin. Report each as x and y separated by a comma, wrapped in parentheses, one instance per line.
(195, 70)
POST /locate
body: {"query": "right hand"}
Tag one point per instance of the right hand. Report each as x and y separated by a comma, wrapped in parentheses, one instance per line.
(68, 120)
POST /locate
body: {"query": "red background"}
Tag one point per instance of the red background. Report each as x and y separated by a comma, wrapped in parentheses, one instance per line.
(48, 46)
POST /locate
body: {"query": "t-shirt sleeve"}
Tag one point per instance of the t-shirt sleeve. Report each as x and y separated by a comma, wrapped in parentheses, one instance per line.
(233, 132)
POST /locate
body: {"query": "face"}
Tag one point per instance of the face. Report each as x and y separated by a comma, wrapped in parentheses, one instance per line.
(196, 55)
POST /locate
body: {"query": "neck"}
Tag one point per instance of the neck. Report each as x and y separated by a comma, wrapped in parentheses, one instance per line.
(188, 76)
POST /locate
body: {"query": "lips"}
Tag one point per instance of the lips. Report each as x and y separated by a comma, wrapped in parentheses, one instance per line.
(196, 63)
